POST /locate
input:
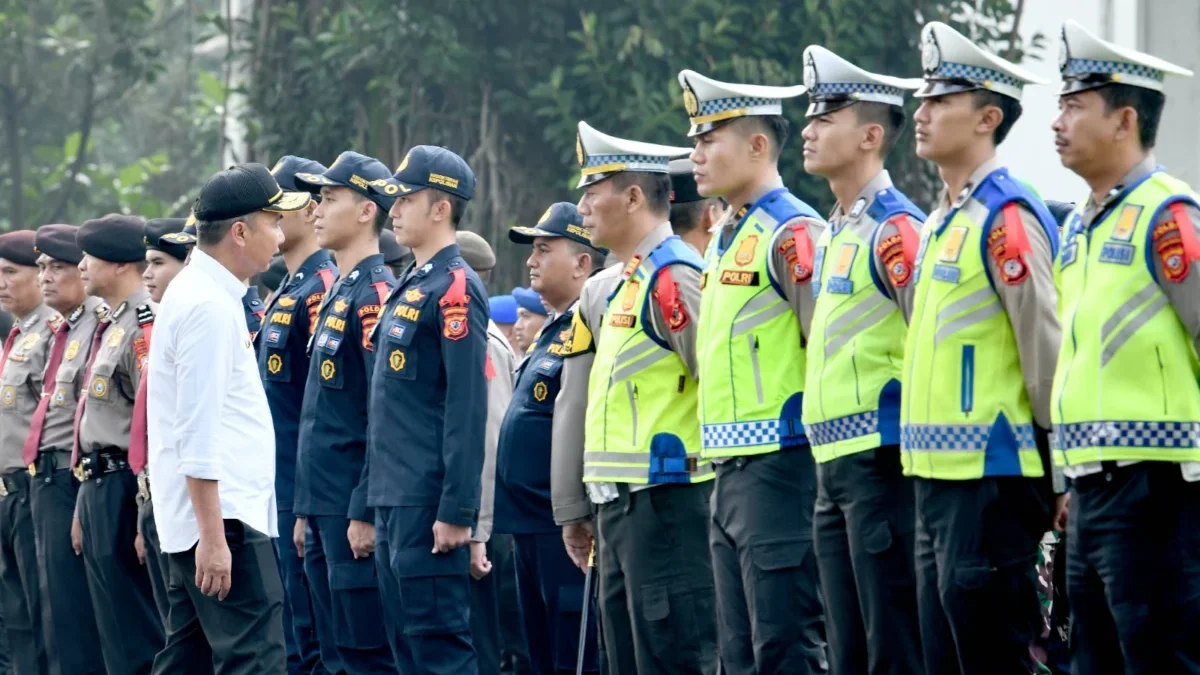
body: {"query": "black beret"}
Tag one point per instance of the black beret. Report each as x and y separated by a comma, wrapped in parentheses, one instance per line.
(393, 251)
(683, 183)
(167, 235)
(116, 238)
(58, 242)
(274, 274)
(18, 247)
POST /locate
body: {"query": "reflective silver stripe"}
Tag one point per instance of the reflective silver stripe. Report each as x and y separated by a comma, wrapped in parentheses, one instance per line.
(742, 325)
(964, 303)
(631, 389)
(978, 316)
(641, 364)
(1140, 319)
(853, 314)
(880, 313)
(624, 357)
(616, 457)
(758, 389)
(760, 301)
(975, 210)
(1126, 309)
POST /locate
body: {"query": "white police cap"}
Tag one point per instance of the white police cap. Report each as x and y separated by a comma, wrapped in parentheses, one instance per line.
(834, 83)
(600, 155)
(1087, 62)
(953, 63)
(710, 103)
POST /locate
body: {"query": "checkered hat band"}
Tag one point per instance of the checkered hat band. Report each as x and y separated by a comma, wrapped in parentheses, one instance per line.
(720, 105)
(631, 162)
(1126, 435)
(958, 437)
(843, 428)
(876, 93)
(740, 434)
(961, 71)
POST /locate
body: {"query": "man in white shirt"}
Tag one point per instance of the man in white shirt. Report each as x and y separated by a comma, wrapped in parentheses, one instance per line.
(212, 459)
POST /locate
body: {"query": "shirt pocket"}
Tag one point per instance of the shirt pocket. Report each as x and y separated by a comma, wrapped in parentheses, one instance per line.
(274, 366)
(102, 385)
(396, 337)
(65, 383)
(544, 382)
(328, 356)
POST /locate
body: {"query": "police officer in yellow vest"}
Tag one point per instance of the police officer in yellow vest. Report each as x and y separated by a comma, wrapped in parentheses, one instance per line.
(756, 305)
(863, 526)
(1126, 405)
(978, 366)
(642, 441)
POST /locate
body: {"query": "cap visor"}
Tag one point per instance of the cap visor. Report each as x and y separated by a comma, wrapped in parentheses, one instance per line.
(313, 182)
(394, 188)
(290, 201)
(526, 235)
(945, 87)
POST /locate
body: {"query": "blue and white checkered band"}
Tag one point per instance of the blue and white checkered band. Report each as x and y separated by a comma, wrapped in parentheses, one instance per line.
(753, 105)
(631, 162)
(1131, 73)
(979, 74)
(879, 93)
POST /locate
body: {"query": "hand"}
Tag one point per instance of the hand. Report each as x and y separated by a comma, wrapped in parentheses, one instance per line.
(362, 538)
(77, 535)
(1060, 511)
(447, 537)
(578, 539)
(139, 545)
(298, 537)
(214, 566)
(480, 565)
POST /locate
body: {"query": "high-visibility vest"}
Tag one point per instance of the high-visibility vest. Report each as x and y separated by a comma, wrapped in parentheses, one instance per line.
(1126, 383)
(852, 387)
(749, 342)
(641, 411)
(965, 412)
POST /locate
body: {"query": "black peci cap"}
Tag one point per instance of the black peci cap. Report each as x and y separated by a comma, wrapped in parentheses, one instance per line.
(683, 182)
(19, 247)
(116, 238)
(58, 242)
(244, 189)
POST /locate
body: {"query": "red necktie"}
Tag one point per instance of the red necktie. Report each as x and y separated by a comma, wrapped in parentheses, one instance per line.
(29, 451)
(8, 343)
(83, 395)
(138, 428)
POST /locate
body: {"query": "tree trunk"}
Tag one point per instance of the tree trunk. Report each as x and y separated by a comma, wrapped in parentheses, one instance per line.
(16, 169)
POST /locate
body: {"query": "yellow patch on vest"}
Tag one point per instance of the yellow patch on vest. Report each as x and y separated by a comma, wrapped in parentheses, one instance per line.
(631, 294)
(1126, 222)
(954, 242)
(745, 252)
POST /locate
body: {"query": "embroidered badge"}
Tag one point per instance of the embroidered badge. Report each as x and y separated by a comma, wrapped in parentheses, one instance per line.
(72, 350)
(99, 388)
(413, 295)
(328, 370)
(745, 252)
(1168, 246)
(1126, 222)
(396, 360)
(891, 254)
(274, 364)
(630, 295)
(286, 302)
(115, 335)
(540, 391)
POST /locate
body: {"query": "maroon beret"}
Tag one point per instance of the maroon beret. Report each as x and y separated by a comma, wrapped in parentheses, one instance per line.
(58, 242)
(17, 247)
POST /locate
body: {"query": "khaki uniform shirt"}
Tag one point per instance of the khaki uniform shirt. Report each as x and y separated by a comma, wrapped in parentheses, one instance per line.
(116, 371)
(21, 383)
(58, 429)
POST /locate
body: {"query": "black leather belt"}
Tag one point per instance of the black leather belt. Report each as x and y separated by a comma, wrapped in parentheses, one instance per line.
(13, 483)
(96, 464)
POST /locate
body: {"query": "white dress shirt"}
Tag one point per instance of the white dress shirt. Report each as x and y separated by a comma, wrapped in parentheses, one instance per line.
(207, 413)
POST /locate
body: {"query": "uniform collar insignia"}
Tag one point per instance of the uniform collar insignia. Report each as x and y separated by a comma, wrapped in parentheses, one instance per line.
(964, 195)
(29, 322)
(74, 316)
(858, 207)
(116, 313)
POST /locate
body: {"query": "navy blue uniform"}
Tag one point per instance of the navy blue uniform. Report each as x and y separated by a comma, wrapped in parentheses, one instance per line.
(428, 408)
(329, 466)
(549, 586)
(254, 308)
(283, 365)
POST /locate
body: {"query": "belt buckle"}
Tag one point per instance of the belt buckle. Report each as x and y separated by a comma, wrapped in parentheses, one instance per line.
(83, 469)
(143, 482)
(3, 488)
(33, 469)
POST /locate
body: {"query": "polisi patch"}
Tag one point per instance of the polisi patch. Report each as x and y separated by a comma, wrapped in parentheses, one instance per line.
(1117, 253)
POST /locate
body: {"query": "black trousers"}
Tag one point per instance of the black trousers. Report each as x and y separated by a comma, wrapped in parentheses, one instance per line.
(976, 553)
(156, 560)
(245, 630)
(769, 608)
(68, 620)
(299, 631)
(656, 581)
(551, 600)
(1133, 571)
(863, 530)
(131, 631)
(20, 596)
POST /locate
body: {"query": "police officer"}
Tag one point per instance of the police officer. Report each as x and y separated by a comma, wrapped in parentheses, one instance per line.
(755, 313)
(1126, 405)
(549, 584)
(283, 364)
(130, 629)
(331, 492)
(863, 526)
(692, 215)
(69, 622)
(26, 350)
(978, 365)
(429, 400)
(167, 247)
(642, 455)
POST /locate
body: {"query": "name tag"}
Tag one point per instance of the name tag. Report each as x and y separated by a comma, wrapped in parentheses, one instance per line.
(948, 273)
(839, 286)
(1120, 254)
(623, 320)
(739, 278)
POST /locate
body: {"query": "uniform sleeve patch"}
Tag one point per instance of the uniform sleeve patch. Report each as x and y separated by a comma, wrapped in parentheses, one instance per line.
(1007, 243)
(798, 253)
(891, 254)
(454, 307)
(1168, 246)
(369, 315)
(666, 292)
(314, 299)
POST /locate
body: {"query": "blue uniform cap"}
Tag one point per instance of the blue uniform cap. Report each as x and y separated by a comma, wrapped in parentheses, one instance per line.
(288, 166)
(529, 300)
(503, 309)
(428, 166)
(560, 220)
(350, 170)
